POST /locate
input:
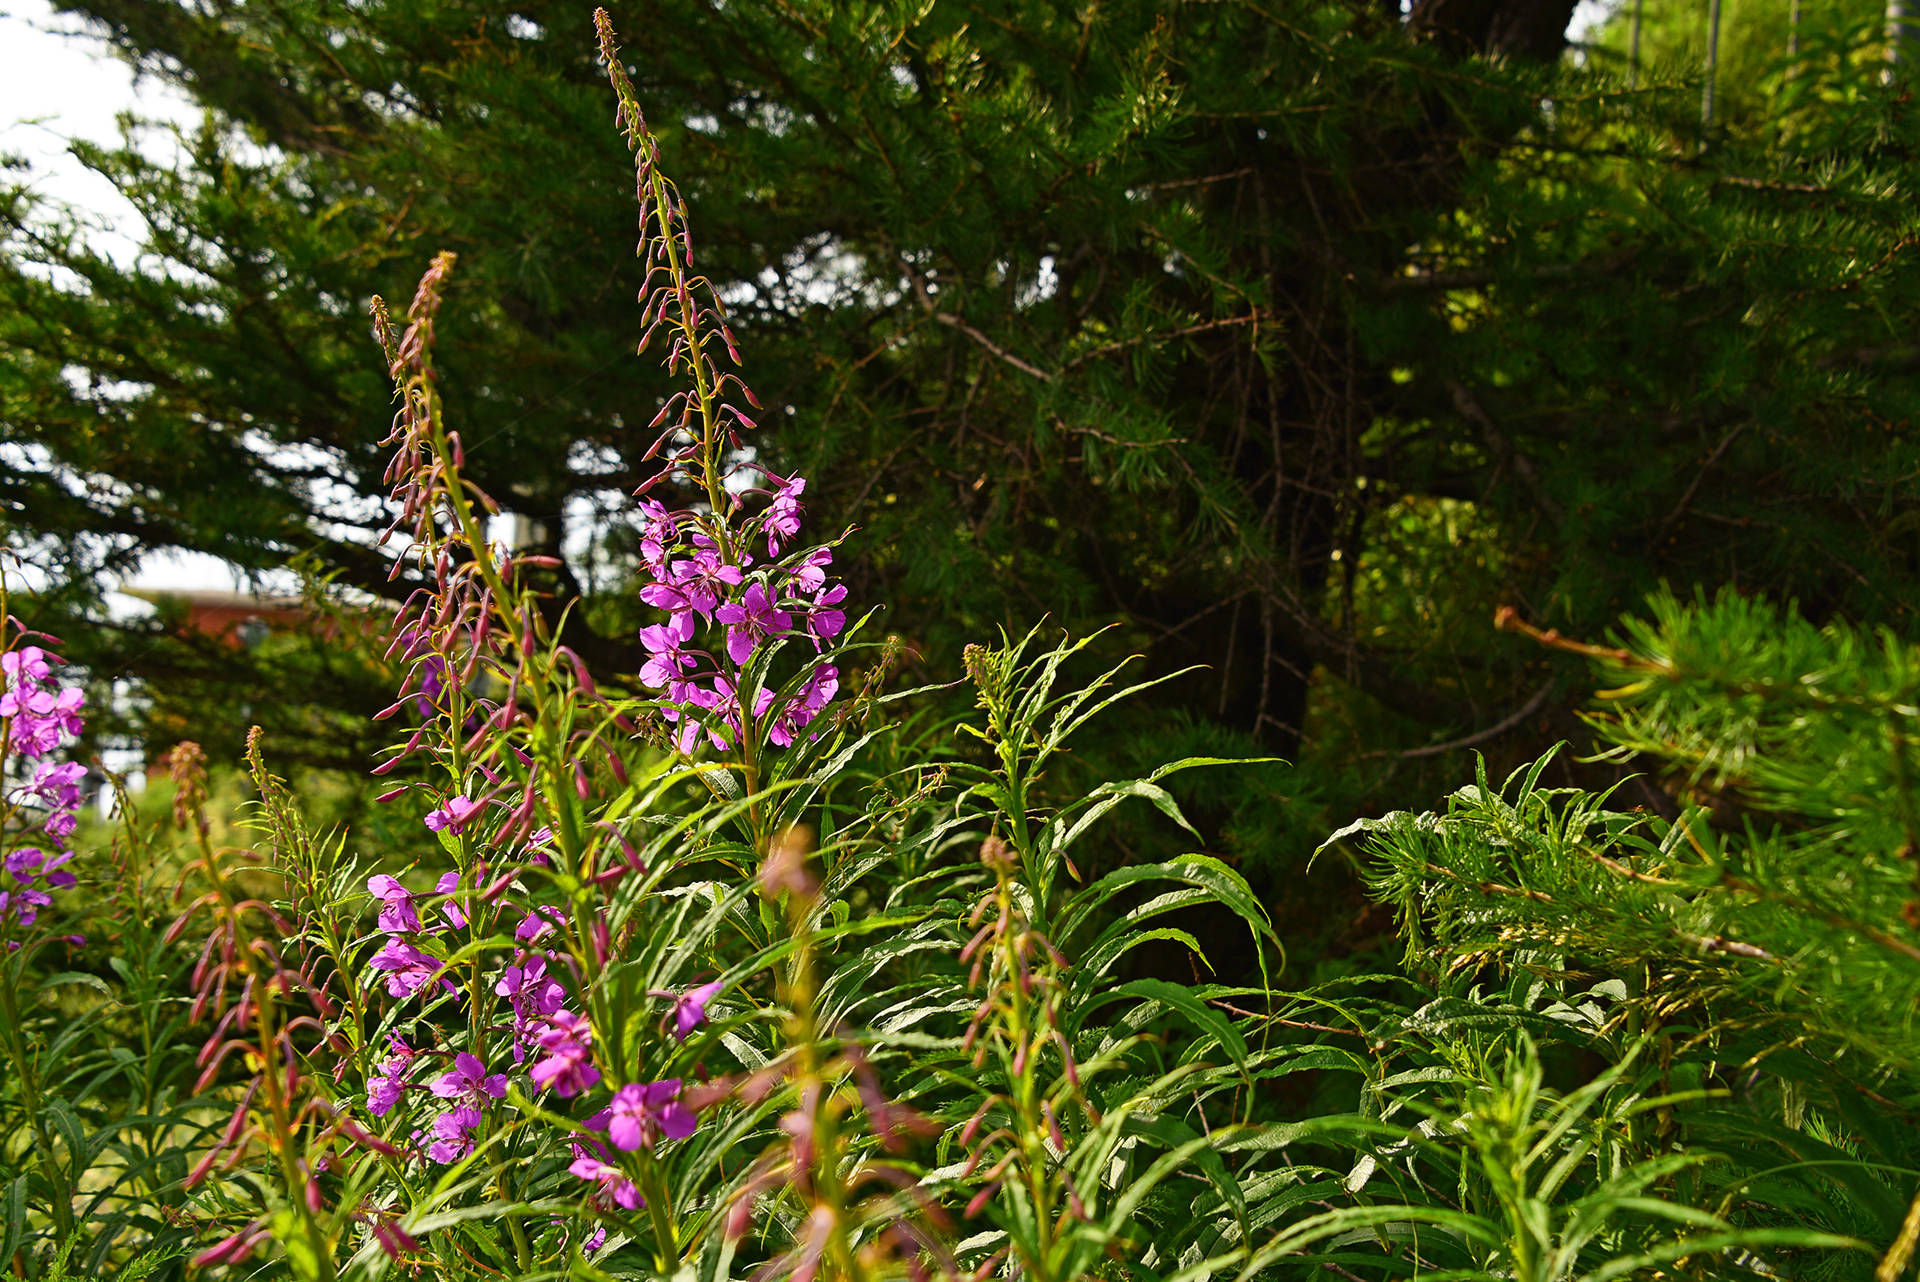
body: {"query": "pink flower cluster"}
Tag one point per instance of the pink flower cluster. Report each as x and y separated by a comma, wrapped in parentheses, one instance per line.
(35, 712)
(28, 870)
(558, 1041)
(638, 1116)
(36, 715)
(690, 577)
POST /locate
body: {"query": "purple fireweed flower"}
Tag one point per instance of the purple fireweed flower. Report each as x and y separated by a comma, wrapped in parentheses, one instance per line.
(60, 825)
(612, 1181)
(453, 1131)
(641, 1114)
(24, 863)
(453, 816)
(687, 737)
(667, 664)
(385, 1088)
(383, 1093)
(469, 1080)
(529, 985)
(538, 924)
(408, 969)
(723, 701)
(807, 703)
(817, 691)
(658, 534)
(53, 875)
(396, 905)
(24, 904)
(671, 597)
(537, 844)
(750, 621)
(701, 539)
(58, 786)
(448, 883)
(690, 1008)
(783, 515)
(568, 1069)
(824, 621)
(704, 577)
(598, 1238)
(28, 663)
(533, 995)
(810, 572)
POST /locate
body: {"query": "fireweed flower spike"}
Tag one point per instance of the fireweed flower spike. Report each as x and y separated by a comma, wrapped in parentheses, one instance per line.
(491, 704)
(36, 716)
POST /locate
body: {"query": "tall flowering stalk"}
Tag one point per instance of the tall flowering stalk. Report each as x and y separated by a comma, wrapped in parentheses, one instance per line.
(522, 992)
(40, 798)
(702, 562)
(1065, 1093)
(861, 1215)
(267, 1012)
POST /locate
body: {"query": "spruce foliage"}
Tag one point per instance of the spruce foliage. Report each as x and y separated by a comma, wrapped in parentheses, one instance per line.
(1292, 338)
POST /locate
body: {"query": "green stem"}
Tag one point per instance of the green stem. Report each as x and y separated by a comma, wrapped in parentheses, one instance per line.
(25, 1072)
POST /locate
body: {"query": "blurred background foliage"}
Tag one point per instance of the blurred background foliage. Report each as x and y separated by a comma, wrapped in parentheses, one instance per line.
(1293, 339)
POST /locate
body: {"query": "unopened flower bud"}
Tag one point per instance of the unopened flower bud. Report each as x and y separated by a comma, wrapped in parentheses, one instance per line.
(785, 870)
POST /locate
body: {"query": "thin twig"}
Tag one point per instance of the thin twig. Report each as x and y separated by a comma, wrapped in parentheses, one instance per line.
(1494, 731)
(1308, 1026)
(1251, 318)
(954, 322)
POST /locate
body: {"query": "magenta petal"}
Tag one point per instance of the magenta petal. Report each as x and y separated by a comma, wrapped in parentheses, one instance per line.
(624, 1131)
(677, 1121)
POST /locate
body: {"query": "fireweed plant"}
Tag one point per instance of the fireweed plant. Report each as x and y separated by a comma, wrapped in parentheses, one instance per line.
(40, 799)
(632, 1024)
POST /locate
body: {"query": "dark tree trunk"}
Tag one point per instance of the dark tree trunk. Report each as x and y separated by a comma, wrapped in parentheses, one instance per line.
(1530, 30)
